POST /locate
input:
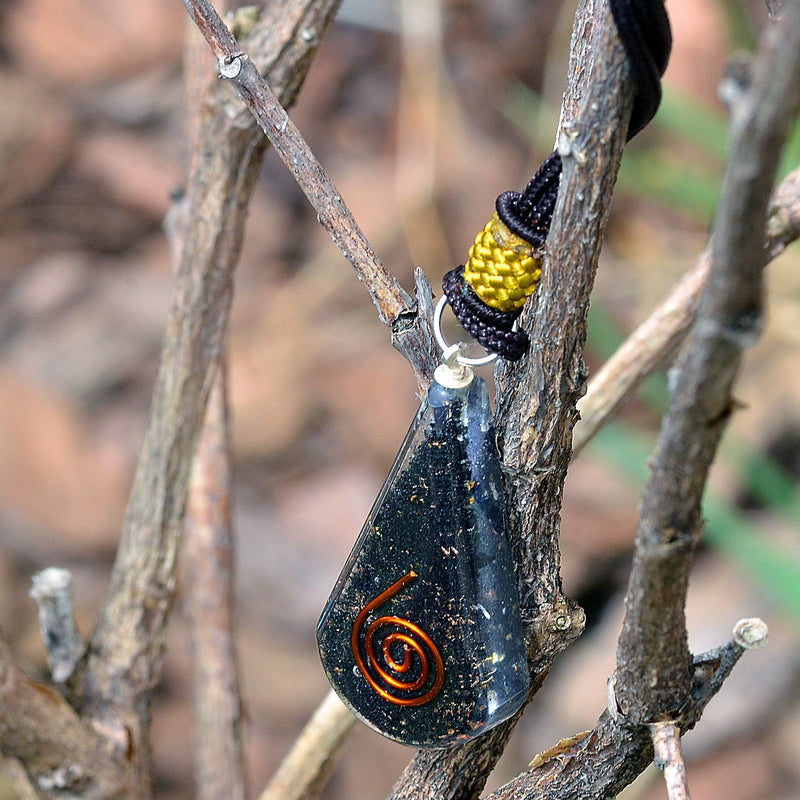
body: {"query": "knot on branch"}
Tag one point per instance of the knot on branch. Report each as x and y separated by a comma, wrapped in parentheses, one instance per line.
(742, 331)
(551, 629)
(230, 66)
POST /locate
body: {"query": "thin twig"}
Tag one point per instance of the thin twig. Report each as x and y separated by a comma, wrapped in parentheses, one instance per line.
(207, 558)
(302, 774)
(668, 757)
(396, 308)
(653, 662)
(207, 548)
(641, 354)
(603, 762)
(655, 339)
(52, 591)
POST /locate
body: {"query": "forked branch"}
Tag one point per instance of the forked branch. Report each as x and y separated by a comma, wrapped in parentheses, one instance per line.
(60, 753)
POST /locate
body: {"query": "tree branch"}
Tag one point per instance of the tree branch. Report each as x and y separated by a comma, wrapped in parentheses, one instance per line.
(207, 549)
(61, 754)
(652, 342)
(207, 558)
(602, 763)
(306, 768)
(114, 685)
(15, 774)
(536, 406)
(411, 335)
(653, 660)
(668, 757)
(536, 398)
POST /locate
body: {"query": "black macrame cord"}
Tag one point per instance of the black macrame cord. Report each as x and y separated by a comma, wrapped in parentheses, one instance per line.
(644, 30)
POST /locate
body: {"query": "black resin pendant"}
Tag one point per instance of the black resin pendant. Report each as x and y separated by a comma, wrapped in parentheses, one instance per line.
(422, 636)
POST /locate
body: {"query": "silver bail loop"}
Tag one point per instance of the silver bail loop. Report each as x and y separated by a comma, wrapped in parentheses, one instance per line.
(447, 348)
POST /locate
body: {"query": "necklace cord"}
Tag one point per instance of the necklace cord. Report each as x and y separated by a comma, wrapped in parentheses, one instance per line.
(488, 293)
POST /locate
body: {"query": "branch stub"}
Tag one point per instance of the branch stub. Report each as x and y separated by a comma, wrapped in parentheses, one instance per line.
(751, 634)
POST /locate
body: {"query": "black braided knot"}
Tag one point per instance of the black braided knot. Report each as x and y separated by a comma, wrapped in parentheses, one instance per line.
(528, 213)
(645, 33)
(491, 328)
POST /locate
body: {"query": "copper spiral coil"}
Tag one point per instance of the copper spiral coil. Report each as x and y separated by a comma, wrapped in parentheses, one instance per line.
(415, 643)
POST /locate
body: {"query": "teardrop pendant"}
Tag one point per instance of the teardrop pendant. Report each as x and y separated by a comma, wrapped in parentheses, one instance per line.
(422, 636)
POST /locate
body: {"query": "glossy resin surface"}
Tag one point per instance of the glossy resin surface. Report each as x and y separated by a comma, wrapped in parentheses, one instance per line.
(422, 636)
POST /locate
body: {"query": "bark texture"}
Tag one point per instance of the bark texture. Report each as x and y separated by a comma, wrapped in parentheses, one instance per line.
(654, 664)
(536, 397)
(114, 684)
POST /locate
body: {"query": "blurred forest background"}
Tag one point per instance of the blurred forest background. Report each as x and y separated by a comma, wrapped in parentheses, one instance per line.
(422, 111)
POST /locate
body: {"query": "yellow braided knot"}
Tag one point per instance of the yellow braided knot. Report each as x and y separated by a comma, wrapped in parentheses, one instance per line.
(502, 267)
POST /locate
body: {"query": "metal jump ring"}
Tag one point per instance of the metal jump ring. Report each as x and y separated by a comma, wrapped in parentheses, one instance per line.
(447, 349)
